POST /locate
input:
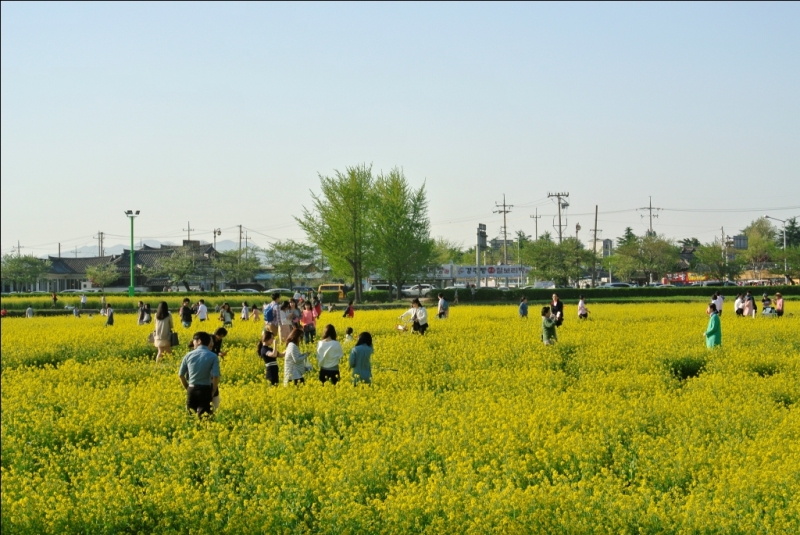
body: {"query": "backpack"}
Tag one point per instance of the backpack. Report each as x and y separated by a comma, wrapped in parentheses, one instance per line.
(269, 315)
(445, 305)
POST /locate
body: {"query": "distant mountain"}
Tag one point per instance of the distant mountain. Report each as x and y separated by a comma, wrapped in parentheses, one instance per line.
(90, 251)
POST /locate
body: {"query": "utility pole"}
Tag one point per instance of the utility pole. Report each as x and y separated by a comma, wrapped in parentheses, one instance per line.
(594, 247)
(651, 209)
(59, 249)
(100, 239)
(480, 243)
(217, 232)
(76, 251)
(506, 209)
(560, 203)
(536, 219)
(246, 240)
(188, 230)
(18, 248)
(240, 245)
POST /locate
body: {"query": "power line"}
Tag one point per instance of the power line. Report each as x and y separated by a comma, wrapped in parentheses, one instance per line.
(565, 205)
(506, 208)
(650, 209)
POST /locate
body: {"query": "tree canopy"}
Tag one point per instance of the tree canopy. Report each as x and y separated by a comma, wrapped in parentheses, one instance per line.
(23, 271)
(102, 275)
(288, 257)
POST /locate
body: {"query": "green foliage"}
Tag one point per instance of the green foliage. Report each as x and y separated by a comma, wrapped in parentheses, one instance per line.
(23, 270)
(761, 227)
(288, 257)
(710, 259)
(339, 221)
(401, 239)
(102, 275)
(372, 296)
(231, 266)
(792, 234)
(647, 256)
(557, 262)
(446, 251)
(330, 297)
(627, 238)
(690, 242)
(179, 268)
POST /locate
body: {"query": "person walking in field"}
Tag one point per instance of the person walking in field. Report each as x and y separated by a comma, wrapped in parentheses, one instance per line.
(309, 323)
(245, 311)
(749, 308)
(268, 351)
(443, 311)
(140, 315)
(349, 312)
(285, 321)
(583, 312)
(294, 361)
(557, 308)
(76, 311)
(162, 338)
(202, 310)
(523, 308)
(54, 297)
(713, 332)
(29, 312)
(272, 314)
(329, 353)
(549, 323)
(199, 375)
(255, 314)
(738, 305)
(185, 313)
(216, 347)
(455, 297)
(779, 304)
(361, 360)
(83, 300)
(226, 315)
(719, 301)
(109, 315)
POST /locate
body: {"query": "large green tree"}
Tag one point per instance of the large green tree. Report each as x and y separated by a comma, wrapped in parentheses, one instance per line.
(446, 251)
(179, 268)
(760, 250)
(230, 266)
(648, 256)
(23, 271)
(711, 260)
(562, 263)
(401, 241)
(339, 222)
(102, 275)
(792, 234)
(762, 227)
(288, 257)
(627, 238)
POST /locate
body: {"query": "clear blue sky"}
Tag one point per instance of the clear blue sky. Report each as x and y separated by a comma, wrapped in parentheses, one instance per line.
(224, 114)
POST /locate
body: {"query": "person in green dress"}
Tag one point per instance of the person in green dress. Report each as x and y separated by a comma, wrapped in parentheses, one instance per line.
(549, 320)
(713, 333)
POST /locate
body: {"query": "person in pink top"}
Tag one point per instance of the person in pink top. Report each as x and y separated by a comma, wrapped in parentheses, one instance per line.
(309, 319)
(779, 304)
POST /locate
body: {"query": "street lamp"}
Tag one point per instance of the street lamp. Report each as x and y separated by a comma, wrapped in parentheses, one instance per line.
(131, 215)
(785, 263)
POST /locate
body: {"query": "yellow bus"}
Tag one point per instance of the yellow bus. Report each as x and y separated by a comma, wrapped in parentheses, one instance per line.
(332, 288)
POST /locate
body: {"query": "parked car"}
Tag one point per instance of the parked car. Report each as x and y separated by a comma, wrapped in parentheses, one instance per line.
(419, 290)
(391, 288)
(618, 285)
(279, 290)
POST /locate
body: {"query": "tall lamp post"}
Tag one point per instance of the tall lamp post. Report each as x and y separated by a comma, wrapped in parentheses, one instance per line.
(131, 215)
(785, 263)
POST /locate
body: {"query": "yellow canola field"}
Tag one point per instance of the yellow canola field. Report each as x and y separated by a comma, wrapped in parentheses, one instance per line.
(628, 425)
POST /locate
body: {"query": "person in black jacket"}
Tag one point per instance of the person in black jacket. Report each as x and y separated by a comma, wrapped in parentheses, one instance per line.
(557, 309)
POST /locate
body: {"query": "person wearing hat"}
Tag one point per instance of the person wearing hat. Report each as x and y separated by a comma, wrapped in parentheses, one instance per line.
(779, 304)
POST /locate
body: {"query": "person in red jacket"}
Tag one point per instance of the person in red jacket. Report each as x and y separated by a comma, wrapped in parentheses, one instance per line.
(349, 311)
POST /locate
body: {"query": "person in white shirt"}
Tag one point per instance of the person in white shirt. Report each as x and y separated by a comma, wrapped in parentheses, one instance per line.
(83, 300)
(294, 361)
(583, 312)
(719, 301)
(329, 353)
(202, 311)
(418, 316)
(738, 305)
(245, 311)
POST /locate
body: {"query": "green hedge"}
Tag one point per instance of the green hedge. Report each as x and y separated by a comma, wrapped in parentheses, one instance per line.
(491, 294)
(372, 296)
(330, 297)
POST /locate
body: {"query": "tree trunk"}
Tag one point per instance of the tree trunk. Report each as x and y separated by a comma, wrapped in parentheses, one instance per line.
(186, 285)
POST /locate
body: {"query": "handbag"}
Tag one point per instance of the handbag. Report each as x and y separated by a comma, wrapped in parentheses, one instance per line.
(173, 339)
(151, 338)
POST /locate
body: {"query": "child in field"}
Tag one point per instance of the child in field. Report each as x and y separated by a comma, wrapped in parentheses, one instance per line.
(348, 334)
(349, 311)
(549, 322)
(523, 308)
(270, 356)
(583, 312)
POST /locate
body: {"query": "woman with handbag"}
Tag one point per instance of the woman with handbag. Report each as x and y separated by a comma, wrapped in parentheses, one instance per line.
(162, 336)
(296, 363)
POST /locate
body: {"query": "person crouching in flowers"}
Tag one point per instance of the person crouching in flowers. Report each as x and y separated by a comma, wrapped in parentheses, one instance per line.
(549, 322)
(713, 333)
(418, 316)
(199, 374)
(361, 359)
(295, 362)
